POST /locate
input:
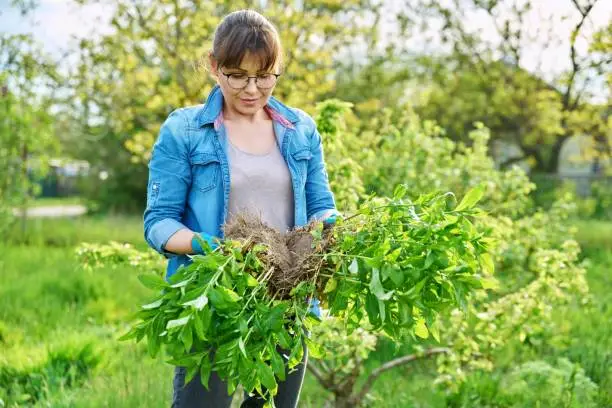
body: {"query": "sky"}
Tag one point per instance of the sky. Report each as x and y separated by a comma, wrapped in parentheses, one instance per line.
(54, 22)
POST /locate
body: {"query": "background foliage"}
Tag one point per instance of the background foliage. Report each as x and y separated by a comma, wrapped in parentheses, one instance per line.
(390, 112)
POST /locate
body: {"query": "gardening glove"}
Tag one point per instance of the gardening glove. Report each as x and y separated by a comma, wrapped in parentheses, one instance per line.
(315, 309)
(212, 241)
(330, 220)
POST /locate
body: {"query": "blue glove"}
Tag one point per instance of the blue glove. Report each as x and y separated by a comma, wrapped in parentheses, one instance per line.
(213, 242)
(330, 220)
(315, 309)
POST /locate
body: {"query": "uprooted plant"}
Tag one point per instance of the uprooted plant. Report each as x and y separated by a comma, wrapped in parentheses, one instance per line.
(243, 310)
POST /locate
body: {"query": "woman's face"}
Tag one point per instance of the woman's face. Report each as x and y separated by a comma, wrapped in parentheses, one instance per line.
(250, 99)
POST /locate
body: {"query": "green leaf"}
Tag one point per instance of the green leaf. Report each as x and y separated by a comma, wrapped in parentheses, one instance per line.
(297, 352)
(450, 219)
(376, 287)
(330, 285)
(405, 313)
(399, 191)
(231, 386)
(416, 289)
(314, 349)
(222, 297)
(191, 372)
(177, 322)
(205, 369)
(486, 261)
(277, 365)
(242, 348)
(206, 317)
(251, 281)
(431, 257)
(187, 338)
(381, 308)
(217, 299)
(433, 329)
(153, 305)
(372, 309)
(354, 267)
(490, 283)
(471, 198)
(393, 272)
(181, 283)
(244, 326)
(153, 345)
(153, 341)
(198, 303)
(283, 338)
(129, 335)
(266, 376)
(274, 320)
(153, 281)
(420, 329)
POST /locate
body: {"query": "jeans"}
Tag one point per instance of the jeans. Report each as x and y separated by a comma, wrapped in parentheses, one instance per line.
(194, 395)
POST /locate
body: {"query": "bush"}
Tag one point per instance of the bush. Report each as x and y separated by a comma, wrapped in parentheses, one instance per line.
(596, 205)
(539, 384)
(35, 374)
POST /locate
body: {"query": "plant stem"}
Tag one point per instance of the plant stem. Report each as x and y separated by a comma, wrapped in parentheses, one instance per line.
(261, 285)
(343, 255)
(344, 277)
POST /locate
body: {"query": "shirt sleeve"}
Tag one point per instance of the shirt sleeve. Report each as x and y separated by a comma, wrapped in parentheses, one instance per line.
(319, 197)
(168, 184)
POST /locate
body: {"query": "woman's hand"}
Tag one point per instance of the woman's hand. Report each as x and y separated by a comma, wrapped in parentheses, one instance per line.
(330, 220)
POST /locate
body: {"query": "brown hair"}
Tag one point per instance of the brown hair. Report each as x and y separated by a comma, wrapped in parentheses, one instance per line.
(246, 31)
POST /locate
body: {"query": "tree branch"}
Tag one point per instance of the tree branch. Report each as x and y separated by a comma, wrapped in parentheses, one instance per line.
(352, 377)
(575, 65)
(396, 363)
(319, 376)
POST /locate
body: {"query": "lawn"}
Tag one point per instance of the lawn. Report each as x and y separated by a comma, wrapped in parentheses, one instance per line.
(58, 325)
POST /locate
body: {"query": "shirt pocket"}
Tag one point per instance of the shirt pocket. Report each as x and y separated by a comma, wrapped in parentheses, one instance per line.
(152, 193)
(205, 171)
(301, 158)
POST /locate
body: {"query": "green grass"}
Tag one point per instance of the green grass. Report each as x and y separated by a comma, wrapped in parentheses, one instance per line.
(51, 310)
(46, 299)
(588, 340)
(583, 336)
(69, 232)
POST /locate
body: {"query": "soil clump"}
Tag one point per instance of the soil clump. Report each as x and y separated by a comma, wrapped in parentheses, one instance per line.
(291, 255)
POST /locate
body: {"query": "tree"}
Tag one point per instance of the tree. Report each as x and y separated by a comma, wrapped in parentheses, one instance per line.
(343, 362)
(26, 128)
(490, 79)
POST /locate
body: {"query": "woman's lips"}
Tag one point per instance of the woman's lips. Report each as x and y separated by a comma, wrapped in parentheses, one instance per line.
(248, 101)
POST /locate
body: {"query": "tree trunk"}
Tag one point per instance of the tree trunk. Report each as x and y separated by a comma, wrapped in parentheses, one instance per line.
(553, 161)
(344, 401)
(26, 192)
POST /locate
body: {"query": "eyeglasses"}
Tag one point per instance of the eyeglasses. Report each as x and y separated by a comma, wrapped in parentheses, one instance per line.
(262, 81)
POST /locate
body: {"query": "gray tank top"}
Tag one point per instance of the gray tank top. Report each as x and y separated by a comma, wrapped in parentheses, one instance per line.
(261, 185)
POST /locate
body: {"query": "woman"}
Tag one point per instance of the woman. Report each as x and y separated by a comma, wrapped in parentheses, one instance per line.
(242, 151)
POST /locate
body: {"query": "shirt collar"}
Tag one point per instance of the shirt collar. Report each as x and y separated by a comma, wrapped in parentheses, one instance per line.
(212, 112)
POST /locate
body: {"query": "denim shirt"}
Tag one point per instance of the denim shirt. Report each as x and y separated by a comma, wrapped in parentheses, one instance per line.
(189, 172)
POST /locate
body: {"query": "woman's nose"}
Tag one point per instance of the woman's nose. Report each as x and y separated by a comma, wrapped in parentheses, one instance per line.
(251, 86)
